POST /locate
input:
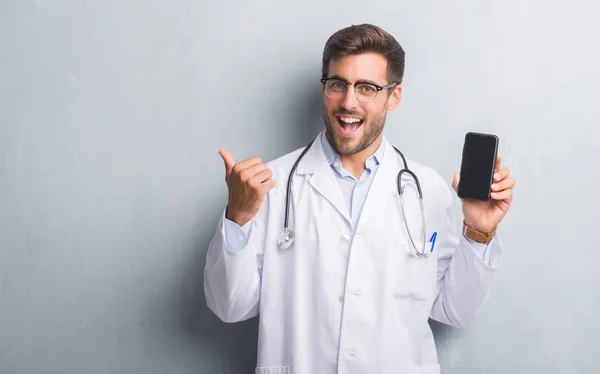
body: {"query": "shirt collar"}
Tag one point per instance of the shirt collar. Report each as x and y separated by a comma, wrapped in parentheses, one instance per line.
(332, 157)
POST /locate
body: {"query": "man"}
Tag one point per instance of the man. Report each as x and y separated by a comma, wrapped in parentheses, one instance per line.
(351, 294)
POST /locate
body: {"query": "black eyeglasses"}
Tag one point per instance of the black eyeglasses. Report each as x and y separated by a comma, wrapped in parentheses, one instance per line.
(336, 88)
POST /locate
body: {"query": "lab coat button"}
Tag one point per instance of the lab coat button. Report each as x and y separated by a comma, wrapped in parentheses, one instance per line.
(240, 238)
(351, 352)
(357, 292)
(346, 238)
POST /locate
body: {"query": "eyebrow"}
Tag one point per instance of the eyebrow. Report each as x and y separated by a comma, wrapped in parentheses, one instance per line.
(358, 81)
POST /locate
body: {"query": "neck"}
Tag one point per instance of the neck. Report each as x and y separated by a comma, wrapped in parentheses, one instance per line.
(356, 163)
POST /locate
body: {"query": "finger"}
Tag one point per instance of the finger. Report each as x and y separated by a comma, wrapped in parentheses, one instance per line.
(228, 160)
(505, 184)
(501, 174)
(250, 172)
(261, 177)
(455, 181)
(268, 184)
(498, 163)
(502, 195)
(246, 164)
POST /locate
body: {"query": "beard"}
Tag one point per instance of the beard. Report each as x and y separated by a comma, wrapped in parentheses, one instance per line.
(343, 146)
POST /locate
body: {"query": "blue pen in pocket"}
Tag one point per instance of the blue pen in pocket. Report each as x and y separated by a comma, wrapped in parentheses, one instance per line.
(432, 240)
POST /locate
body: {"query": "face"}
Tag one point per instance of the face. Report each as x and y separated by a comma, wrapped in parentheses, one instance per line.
(353, 126)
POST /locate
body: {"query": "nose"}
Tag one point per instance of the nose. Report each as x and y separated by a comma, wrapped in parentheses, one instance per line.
(349, 101)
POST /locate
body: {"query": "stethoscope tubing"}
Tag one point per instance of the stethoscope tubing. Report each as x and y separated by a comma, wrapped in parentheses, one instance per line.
(287, 237)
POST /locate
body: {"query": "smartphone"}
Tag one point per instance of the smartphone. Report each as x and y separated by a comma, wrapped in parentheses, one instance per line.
(477, 166)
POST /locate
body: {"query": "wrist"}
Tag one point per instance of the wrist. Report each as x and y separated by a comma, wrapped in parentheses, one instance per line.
(239, 218)
(473, 224)
(484, 237)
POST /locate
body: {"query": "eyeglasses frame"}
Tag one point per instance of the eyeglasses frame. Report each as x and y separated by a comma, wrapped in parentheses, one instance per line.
(377, 87)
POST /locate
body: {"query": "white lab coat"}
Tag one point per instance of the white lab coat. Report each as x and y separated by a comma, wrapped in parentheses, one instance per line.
(335, 302)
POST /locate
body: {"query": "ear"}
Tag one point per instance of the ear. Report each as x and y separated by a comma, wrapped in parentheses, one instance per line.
(394, 99)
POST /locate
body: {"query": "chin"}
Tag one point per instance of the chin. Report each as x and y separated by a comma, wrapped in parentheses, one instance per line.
(347, 146)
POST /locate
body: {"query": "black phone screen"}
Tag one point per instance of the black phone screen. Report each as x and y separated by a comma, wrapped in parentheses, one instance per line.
(477, 166)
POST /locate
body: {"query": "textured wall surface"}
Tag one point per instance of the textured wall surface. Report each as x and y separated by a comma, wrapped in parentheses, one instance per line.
(112, 113)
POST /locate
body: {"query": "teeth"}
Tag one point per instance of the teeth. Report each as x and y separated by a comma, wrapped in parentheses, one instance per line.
(350, 120)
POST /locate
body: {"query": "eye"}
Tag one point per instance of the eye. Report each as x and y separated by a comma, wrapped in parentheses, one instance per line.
(367, 89)
(337, 85)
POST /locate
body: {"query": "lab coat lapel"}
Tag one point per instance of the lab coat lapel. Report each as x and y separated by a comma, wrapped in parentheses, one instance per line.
(323, 180)
(385, 184)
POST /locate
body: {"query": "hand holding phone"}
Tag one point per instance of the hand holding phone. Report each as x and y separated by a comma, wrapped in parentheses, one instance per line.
(483, 184)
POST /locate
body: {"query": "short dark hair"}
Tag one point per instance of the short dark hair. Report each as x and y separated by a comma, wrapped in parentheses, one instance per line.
(365, 38)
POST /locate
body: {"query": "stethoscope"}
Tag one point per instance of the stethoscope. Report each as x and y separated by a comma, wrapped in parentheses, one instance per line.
(287, 236)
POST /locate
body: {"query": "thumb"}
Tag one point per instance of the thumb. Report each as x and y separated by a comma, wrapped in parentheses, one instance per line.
(455, 181)
(228, 160)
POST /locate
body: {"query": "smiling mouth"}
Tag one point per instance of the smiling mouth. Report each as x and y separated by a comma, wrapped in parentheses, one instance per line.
(349, 125)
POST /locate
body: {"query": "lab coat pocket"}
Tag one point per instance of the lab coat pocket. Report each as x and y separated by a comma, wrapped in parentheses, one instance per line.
(272, 370)
(416, 278)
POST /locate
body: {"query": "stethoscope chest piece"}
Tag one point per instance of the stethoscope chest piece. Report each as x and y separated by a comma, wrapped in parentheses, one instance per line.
(286, 239)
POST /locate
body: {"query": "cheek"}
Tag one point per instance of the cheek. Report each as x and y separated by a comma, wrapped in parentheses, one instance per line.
(374, 113)
(329, 105)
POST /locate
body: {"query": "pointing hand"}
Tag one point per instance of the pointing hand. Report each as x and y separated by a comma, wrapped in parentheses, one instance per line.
(248, 182)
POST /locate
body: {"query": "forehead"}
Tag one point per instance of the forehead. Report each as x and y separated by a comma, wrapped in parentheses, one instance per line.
(366, 66)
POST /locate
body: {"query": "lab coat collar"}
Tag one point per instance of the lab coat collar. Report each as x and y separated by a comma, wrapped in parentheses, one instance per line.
(324, 182)
(384, 185)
